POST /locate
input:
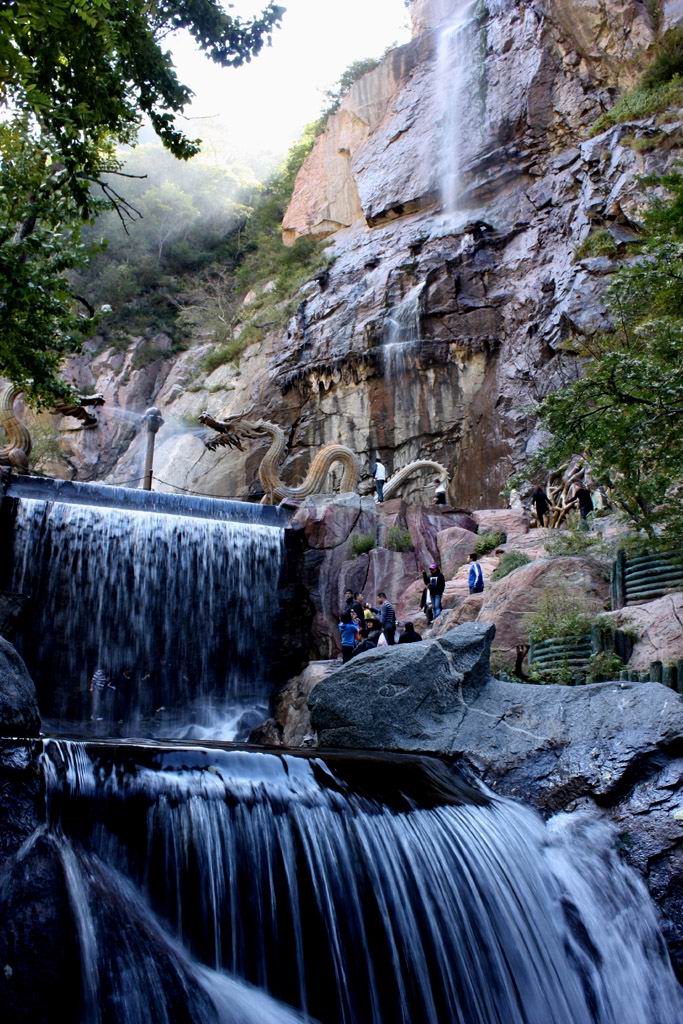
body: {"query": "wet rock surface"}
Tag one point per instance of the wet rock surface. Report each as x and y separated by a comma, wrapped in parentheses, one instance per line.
(19, 714)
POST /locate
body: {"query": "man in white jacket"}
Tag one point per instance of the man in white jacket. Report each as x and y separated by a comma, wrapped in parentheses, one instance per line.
(379, 475)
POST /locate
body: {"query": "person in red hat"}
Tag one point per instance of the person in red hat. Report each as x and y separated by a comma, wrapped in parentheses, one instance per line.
(435, 582)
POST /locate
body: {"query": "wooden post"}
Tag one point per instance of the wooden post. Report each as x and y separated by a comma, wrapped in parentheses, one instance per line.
(668, 676)
(656, 672)
(679, 676)
(618, 581)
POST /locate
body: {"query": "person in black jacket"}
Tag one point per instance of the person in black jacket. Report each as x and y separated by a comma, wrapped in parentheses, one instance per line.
(409, 634)
(436, 584)
(583, 496)
(541, 505)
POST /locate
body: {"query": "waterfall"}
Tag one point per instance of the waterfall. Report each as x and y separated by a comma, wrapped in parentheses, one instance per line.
(457, 91)
(433, 905)
(402, 333)
(145, 622)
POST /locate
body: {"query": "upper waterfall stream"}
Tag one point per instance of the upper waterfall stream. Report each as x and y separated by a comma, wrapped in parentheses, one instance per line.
(146, 623)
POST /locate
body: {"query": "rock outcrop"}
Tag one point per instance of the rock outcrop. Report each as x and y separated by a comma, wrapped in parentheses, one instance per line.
(19, 714)
(658, 628)
(496, 286)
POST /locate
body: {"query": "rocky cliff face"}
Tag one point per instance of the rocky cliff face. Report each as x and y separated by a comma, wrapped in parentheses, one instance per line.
(435, 327)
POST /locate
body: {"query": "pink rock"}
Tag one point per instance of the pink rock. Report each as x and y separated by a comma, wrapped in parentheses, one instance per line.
(454, 546)
(503, 520)
(390, 571)
(659, 625)
(425, 524)
(330, 524)
(466, 611)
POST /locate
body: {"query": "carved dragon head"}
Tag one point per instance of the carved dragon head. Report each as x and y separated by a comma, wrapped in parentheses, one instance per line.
(233, 430)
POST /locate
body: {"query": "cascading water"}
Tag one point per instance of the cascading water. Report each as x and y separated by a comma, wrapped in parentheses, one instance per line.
(457, 98)
(144, 622)
(401, 335)
(445, 903)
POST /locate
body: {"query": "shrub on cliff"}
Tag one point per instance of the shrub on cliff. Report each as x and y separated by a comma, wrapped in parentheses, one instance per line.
(488, 542)
(510, 561)
(361, 543)
(399, 539)
(559, 613)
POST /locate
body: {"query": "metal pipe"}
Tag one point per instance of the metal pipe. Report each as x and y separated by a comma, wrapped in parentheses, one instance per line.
(154, 422)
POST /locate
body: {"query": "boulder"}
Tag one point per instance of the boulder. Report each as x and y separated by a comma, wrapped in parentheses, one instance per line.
(328, 520)
(19, 715)
(466, 611)
(402, 697)
(425, 525)
(390, 571)
(549, 743)
(454, 545)
(508, 601)
(503, 520)
(659, 625)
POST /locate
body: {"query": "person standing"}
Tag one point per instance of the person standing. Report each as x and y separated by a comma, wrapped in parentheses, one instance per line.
(436, 583)
(476, 575)
(439, 492)
(409, 634)
(541, 505)
(583, 496)
(387, 616)
(379, 475)
(348, 631)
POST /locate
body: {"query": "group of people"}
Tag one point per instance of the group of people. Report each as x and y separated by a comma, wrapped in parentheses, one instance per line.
(581, 496)
(363, 627)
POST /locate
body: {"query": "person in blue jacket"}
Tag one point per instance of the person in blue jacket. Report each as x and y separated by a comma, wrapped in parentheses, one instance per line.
(476, 576)
(348, 631)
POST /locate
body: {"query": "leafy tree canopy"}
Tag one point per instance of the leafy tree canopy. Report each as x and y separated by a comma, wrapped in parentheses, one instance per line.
(76, 79)
(89, 70)
(625, 410)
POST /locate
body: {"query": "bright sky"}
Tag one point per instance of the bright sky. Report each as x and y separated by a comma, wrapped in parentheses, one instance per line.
(262, 107)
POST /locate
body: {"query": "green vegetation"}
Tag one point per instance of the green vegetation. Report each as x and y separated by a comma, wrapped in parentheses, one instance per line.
(76, 79)
(598, 243)
(644, 143)
(639, 103)
(660, 87)
(604, 665)
(229, 352)
(399, 539)
(559, 613)
(47, 446)
(558, 675)
(487, 542)
(624, 413)
(575, 539)
(510, 561)
(361, 543)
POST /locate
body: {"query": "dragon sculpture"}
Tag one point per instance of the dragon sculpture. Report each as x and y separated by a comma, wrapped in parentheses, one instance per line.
(15, 453)
(232, 432)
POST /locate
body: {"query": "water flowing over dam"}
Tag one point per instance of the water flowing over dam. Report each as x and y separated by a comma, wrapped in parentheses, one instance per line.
(354, 889)
(145, 622)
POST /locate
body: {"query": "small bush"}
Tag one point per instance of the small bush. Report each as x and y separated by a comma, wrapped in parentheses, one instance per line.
(559, 613)
(361, 543)
(510, 561)
(230, 352)
(604, 665)
(575, 539)
(399, 539)
(640, 103)
(487, 542)
(597, 243)
(644, 143)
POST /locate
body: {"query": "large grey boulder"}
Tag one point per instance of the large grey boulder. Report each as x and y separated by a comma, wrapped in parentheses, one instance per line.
(19, 715)
(548, 744)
